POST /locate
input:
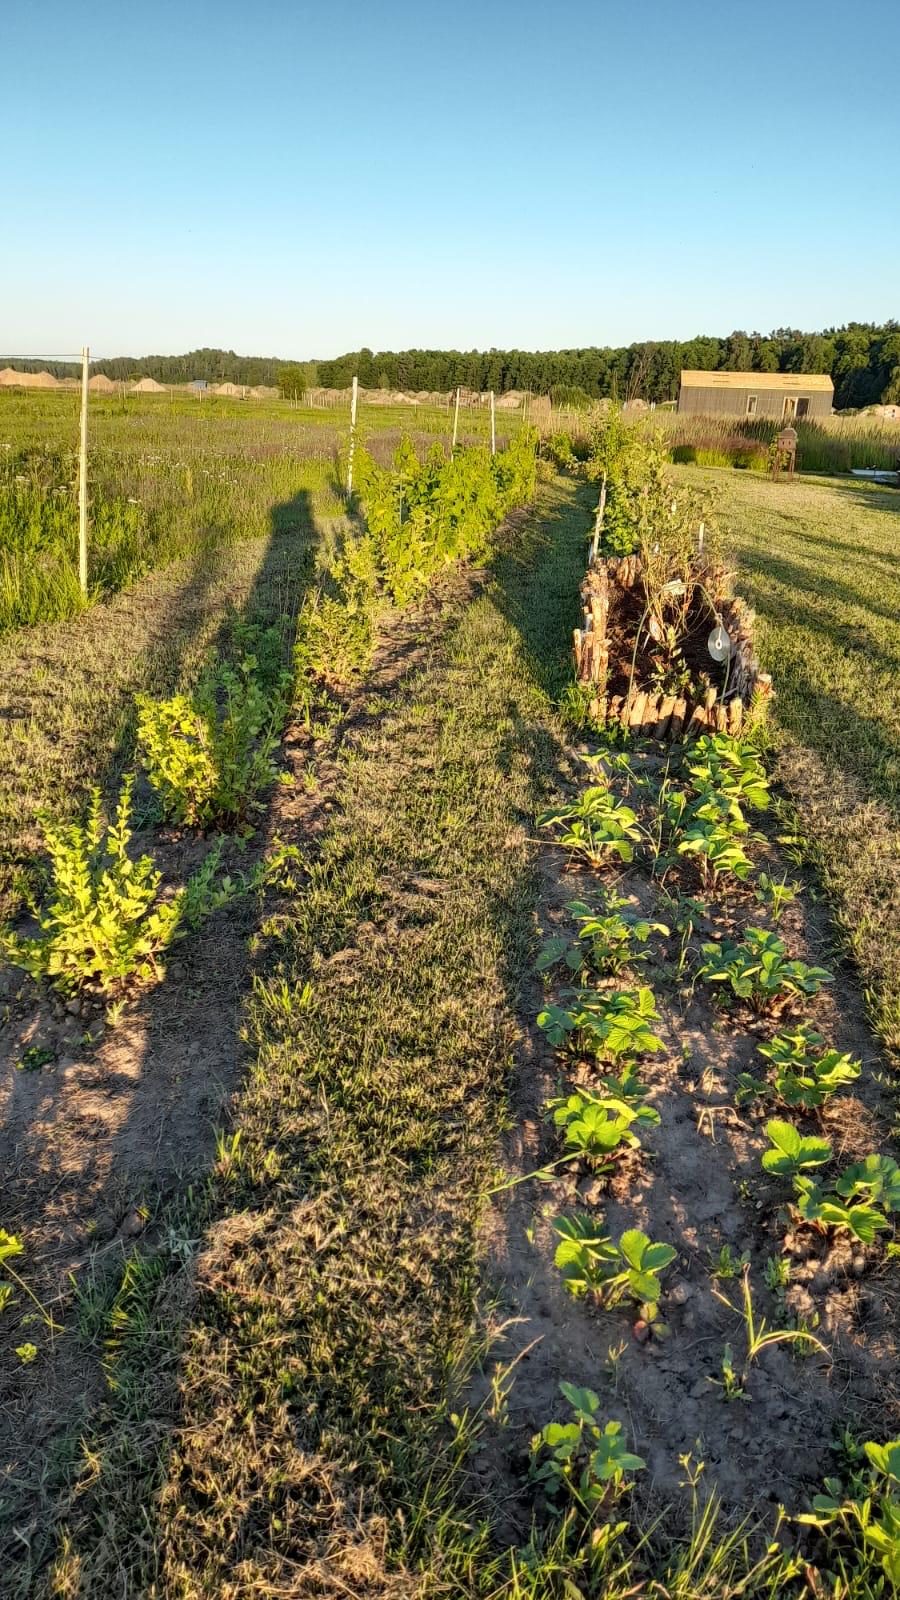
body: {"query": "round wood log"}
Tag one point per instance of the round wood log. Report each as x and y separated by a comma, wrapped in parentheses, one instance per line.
(651, 714)
(679, 712)
(735, 716)
(696, 722)
(636, 713)
(667, 706)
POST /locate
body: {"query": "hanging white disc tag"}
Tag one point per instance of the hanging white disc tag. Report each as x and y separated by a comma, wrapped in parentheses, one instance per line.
(719, 644)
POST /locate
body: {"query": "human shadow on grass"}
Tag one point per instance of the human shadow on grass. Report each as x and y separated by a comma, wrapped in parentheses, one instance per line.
(102, 1152)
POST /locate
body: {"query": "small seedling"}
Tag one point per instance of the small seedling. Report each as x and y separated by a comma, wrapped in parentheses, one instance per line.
(35, 1057)
(759, 1336)
(727, 1264)
(730, 1384)
(585, 1458)
(774, 894)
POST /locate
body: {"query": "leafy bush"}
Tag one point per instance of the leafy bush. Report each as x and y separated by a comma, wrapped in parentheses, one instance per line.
(756, 969)
(106, 922)
(208, 754)
(336, 627)
(421, 515)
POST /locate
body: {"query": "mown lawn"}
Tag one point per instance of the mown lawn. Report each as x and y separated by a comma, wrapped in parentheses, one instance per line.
(819, 562)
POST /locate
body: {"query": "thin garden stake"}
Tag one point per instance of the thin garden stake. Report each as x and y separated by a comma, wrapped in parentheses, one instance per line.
(493, 427)
(353, 400)
(82, 476)
(455, 422)
(598, 523)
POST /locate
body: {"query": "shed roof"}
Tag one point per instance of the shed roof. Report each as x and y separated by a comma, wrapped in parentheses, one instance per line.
(788, 381)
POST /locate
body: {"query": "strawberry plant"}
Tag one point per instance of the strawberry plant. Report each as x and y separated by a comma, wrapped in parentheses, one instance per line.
(790, 1153)
(596, 826)
(597, 1126)
(733, 769)
(875, 1179)
(591, 1264)
(608, 942)
(586, 1459)
(825, 1210)
(802, 1079)
(872, 1510)
(608, 1025)
(106, 921)
(756, 970)
(709, 828)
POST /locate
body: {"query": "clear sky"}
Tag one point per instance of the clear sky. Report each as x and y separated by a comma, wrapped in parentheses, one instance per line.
(281, 177)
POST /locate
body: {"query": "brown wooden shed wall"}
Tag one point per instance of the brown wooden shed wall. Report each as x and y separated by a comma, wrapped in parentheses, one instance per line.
(721, 402)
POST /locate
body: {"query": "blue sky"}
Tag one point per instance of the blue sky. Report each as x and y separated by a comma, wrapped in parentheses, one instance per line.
(297, 179)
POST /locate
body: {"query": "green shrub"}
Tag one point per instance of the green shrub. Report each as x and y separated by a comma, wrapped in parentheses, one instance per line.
(106, 921)
(422, 515)
(336, 627)
(208, 754)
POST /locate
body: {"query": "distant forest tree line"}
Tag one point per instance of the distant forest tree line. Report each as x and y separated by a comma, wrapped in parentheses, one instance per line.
(862, 358)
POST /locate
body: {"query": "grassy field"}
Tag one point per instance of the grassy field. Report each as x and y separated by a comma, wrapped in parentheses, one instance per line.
(172, 478)
(305, 1329)
(825, 444)
(324, 1360)
(819, 561)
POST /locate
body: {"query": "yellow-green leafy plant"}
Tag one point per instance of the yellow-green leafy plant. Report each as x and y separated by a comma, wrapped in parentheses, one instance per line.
(106, 922)
(209, 754)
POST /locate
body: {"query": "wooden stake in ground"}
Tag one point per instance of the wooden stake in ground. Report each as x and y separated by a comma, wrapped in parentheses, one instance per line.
(353, 400)
(455, 422)
(598, 522)
(493, 427)
(82, 475)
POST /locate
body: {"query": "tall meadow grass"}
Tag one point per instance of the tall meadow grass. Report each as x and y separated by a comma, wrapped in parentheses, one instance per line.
(169, 477)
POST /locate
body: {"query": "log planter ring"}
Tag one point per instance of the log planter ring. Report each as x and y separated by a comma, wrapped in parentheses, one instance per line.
(607, 594)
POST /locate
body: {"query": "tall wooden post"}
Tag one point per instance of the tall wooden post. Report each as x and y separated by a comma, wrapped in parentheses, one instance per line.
(455, 422)
(353, 402)
(493, 427)
(82, 475)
